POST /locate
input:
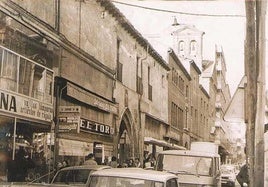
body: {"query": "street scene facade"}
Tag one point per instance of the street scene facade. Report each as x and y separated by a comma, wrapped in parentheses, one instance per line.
(78, 78)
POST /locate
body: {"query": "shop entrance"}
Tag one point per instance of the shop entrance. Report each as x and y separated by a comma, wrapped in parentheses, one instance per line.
(125, 143)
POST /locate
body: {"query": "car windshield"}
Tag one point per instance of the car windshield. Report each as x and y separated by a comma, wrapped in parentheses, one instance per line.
(75, 176)
(181, 164)
(103, 181)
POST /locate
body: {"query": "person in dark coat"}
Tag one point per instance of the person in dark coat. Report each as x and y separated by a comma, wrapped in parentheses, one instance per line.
(22, 163)
(243, 177)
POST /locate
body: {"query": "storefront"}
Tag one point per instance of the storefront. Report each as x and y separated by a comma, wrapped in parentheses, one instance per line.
(26, 112)
(86, 125)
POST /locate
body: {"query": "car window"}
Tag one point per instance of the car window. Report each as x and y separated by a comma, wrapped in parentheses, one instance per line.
(102, 181)
(172, 183)
(72, 176)
(188, 165)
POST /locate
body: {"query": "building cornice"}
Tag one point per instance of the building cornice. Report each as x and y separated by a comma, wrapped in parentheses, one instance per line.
(123, 21)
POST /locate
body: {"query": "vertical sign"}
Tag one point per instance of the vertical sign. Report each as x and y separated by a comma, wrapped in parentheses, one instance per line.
(69, 118)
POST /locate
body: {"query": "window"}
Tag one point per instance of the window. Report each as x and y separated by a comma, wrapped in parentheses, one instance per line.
(9, 70)
(181, 84)
(187, 91)
(177, 116)
(74, 176)
(172, 183)
(193, 47)
(150, 88)
(181, 47)
(24, 76)
(139, 85)
(119, 70)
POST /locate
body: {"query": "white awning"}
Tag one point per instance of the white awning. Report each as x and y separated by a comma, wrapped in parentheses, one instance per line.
(162, 143)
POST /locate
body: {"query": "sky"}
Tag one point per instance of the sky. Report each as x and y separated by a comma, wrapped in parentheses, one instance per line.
(223, 22)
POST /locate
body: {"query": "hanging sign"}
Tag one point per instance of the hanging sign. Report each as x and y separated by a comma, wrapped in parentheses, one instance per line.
(69, 118)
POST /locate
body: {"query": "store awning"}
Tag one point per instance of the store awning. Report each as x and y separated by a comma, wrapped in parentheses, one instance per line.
(162, 143)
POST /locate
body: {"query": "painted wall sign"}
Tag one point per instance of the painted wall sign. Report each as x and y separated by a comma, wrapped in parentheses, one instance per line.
(24, 106)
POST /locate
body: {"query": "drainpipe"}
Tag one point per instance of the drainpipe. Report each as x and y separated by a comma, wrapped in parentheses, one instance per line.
(140, 145)
(58, 103)
(57, 15)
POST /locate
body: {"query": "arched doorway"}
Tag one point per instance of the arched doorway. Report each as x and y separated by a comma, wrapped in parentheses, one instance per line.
(125, 138)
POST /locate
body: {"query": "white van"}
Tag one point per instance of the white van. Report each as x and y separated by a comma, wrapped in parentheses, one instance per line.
(193, 167)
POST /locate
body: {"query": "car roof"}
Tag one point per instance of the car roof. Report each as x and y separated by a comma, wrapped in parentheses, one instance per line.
(91, 167)
(137, 173)
(190, 153)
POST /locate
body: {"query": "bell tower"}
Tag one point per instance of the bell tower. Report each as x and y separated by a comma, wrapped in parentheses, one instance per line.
(188, 42)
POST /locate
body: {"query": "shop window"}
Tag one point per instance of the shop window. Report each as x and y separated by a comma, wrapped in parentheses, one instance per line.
(29, 139)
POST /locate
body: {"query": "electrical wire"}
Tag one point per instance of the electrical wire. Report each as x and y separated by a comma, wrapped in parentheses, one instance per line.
(178, 12)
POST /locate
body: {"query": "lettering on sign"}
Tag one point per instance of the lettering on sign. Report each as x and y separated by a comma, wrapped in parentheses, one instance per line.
(69, 118)
(8, 102)
(91, 126)
(25, 106)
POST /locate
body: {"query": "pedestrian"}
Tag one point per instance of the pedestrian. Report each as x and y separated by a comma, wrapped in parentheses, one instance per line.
(59, 166)
(65, 163)
(149, 162)
(113, 162)
(90, 160)
(137, 163)
(22, 164)
(130, 163)
(243, 177)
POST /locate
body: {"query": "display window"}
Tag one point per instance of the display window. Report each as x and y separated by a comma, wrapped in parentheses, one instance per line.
(26, 150)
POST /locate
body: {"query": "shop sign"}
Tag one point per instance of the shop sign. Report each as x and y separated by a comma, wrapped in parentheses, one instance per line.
(92, 126)
(69, 118)
(25, 106)
(91, 99)
(74, 148)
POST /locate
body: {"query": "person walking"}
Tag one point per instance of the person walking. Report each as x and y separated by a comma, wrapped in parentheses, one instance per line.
(90, 160)
(113, 162)
(242, 177)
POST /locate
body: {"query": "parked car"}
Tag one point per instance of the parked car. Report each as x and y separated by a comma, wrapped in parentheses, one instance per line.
(132, 177)
(65, 177)
(76, 175)
(228, 175)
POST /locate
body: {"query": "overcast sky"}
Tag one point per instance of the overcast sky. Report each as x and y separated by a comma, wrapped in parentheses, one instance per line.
(222, 21)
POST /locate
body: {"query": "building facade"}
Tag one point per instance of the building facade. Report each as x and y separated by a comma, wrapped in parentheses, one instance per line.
(95, 85)
(209, 92)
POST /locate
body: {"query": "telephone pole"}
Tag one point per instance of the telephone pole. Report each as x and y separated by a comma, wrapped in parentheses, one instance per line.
(255, 89)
